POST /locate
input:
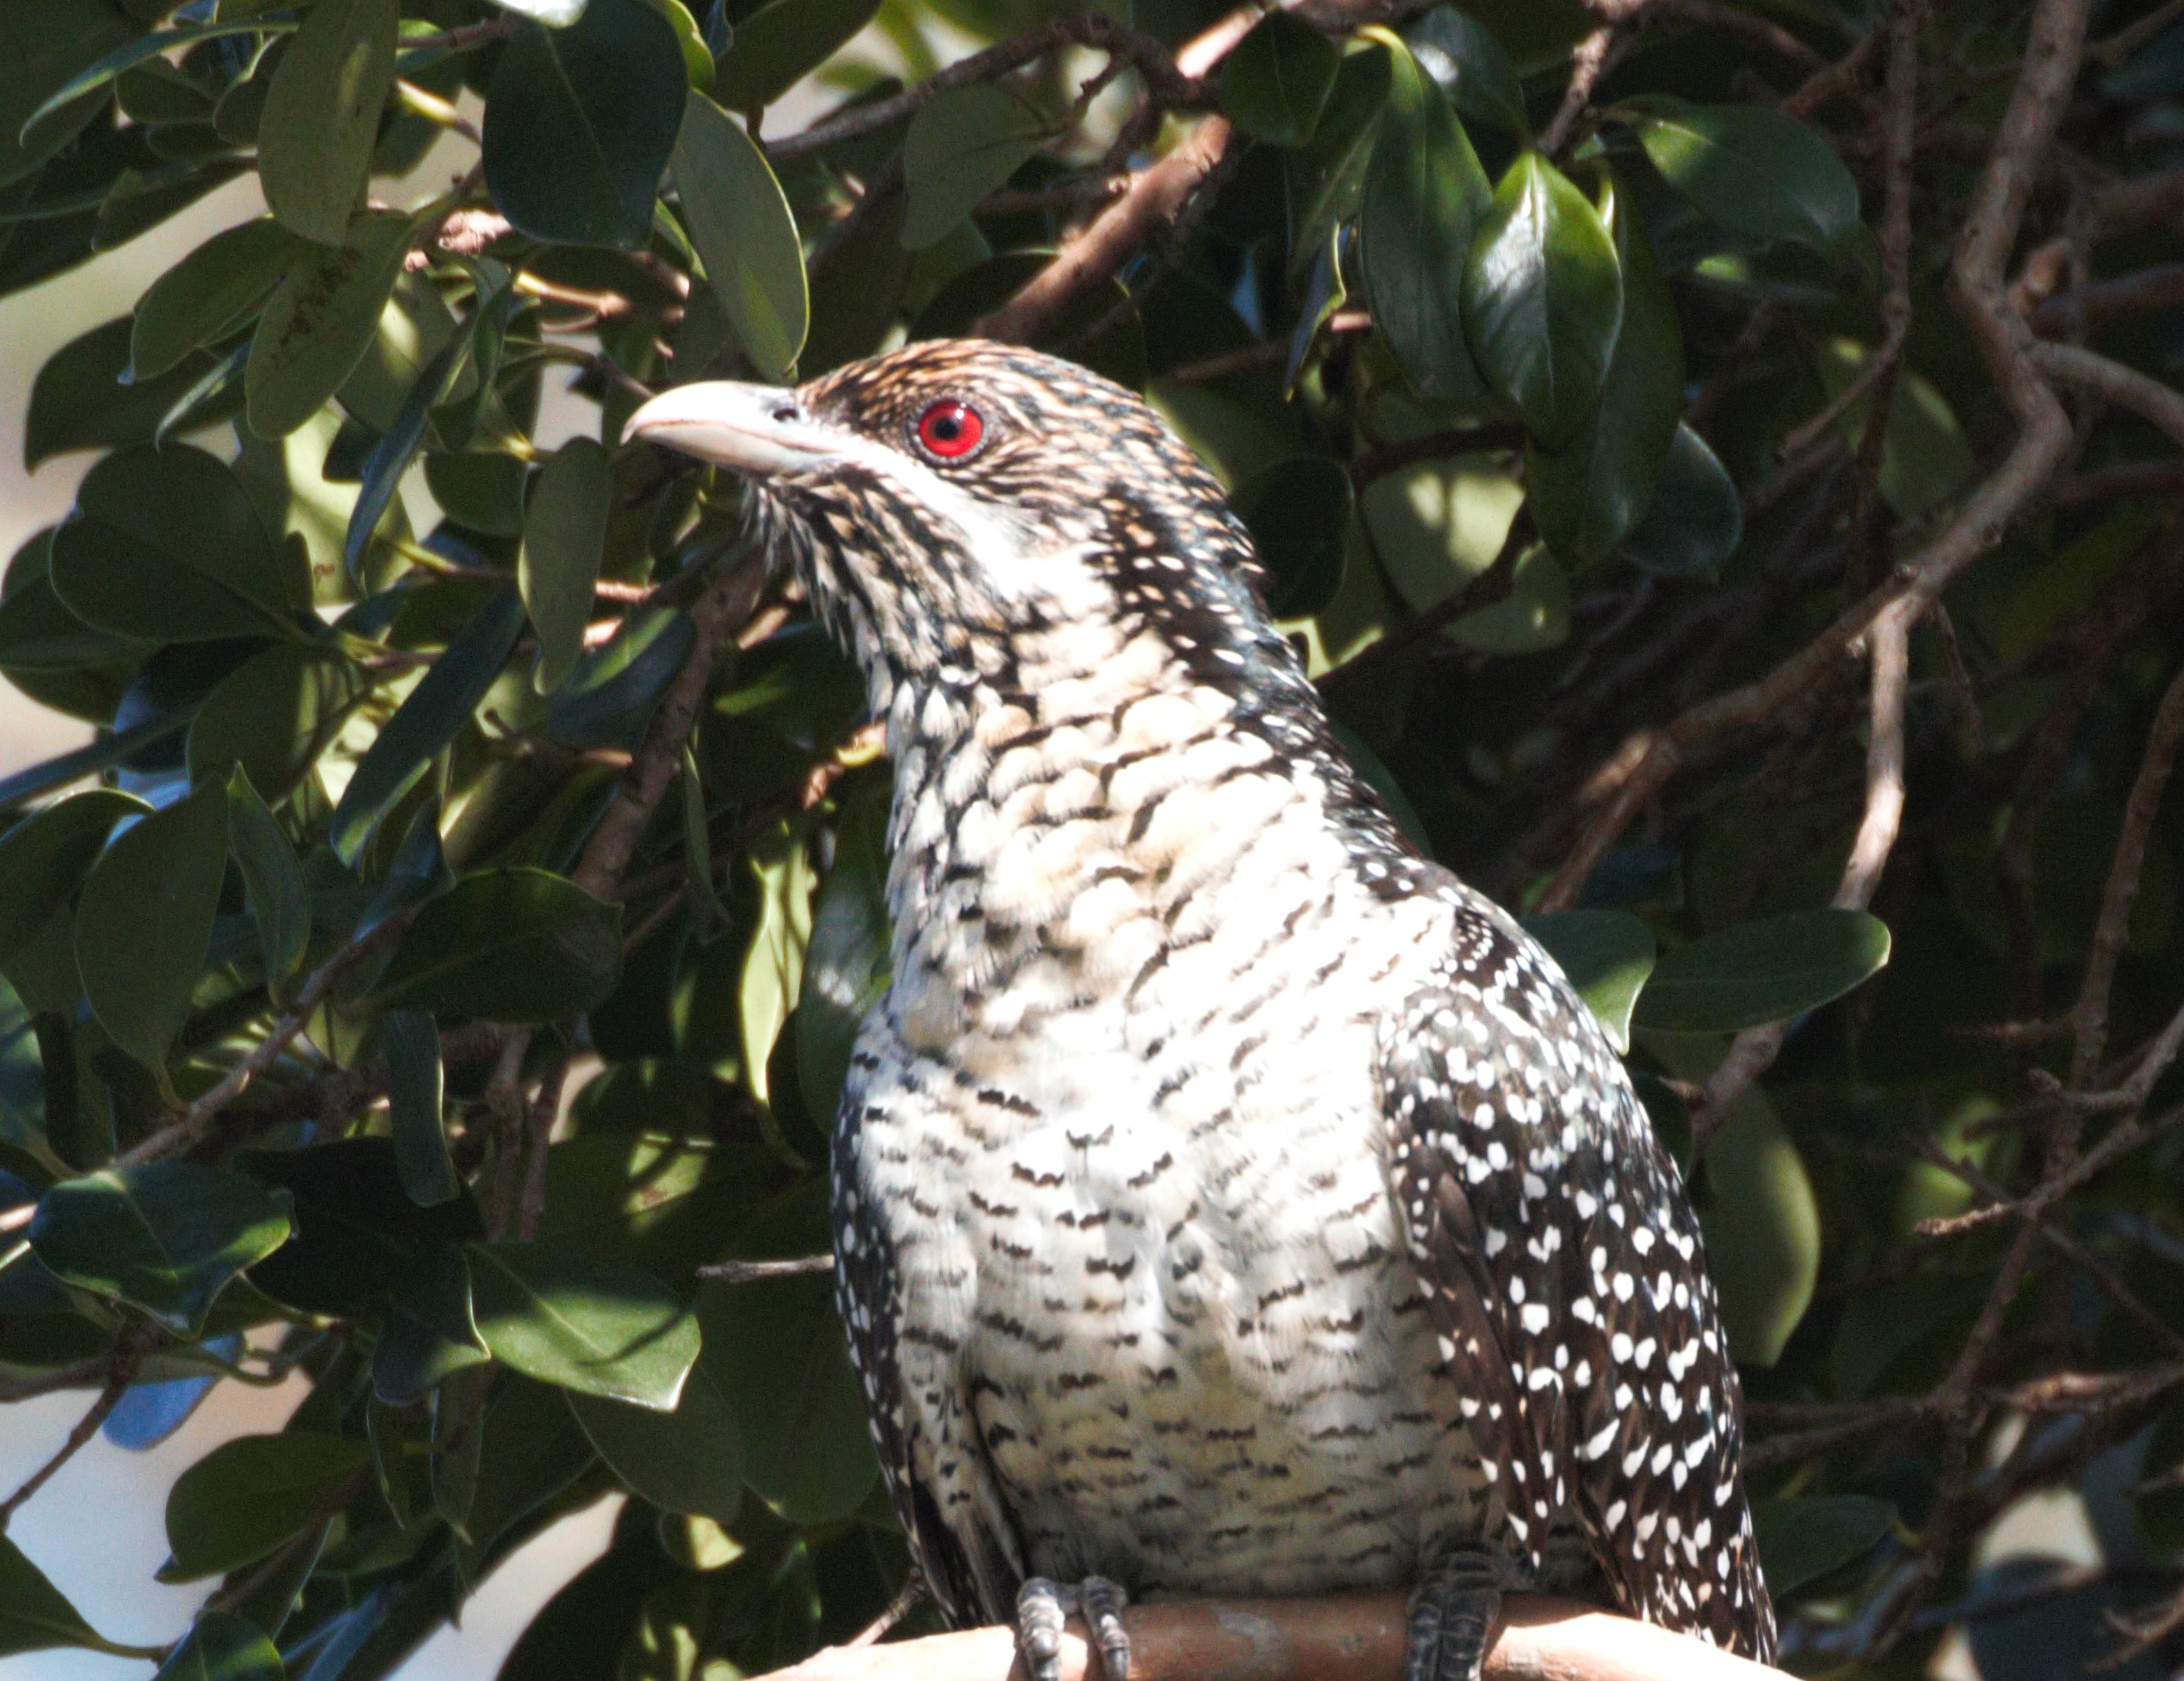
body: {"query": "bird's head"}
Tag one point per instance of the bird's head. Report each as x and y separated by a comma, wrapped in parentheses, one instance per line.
(960, 507)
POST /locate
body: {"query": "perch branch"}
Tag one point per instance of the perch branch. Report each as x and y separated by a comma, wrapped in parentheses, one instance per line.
(1353, 1638)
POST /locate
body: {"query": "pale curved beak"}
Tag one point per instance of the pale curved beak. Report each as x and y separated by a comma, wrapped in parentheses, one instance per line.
(756, 430)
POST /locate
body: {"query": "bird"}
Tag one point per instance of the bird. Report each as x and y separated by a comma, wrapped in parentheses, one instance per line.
(1227, 1200)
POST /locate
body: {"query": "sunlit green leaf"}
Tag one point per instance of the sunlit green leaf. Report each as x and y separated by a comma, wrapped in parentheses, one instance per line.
(846, 963)
(166, 1236)
(222, 1647)
(1461, 53)
(1749, 168)
(1761, 1223)
(556, 1315)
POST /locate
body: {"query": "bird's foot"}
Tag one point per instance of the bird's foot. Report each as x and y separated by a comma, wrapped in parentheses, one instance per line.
(1451, 1618)
(1044, 1606)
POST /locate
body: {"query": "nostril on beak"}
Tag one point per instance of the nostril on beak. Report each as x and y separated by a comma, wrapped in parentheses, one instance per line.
(785, 414)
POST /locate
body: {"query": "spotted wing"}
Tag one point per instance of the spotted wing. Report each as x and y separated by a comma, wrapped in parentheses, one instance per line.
(1569, 1284)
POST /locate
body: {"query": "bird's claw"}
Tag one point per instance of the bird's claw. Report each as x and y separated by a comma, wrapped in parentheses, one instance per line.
(1044, 1606)
(1451, 1619)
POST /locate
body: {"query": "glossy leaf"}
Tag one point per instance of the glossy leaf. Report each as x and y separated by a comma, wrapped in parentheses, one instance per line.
(579, 121)
(1803, 1538)
(962, 143)
(321, 119)
(1461, 53)
(1763, 971)
(565, 537)
(209, 294)
(1750, 168)
(165, 545)
(426, 722)
(1299, 515)
(556, 1315)
(34, 1615)
(689, 1461)
(555, 14)
(279, 897)
(165, 1237)
(248, 1495)
(415, 1095)
(146, 917)
(1424, 199)
(745, 237)
(1695, 520)
(222, 1647)
(777, 45)
(320, 321)
(1589, 494)
(508, 946)
(1274, 82)
(1327, 175)
(1607, 955)
(1543, 299)
(430, 1332)
(613, 688)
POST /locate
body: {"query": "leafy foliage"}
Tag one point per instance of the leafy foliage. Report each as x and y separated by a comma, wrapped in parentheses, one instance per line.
(1634, 448)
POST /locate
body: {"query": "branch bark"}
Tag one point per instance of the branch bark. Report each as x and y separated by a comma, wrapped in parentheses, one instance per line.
(1349, 1638)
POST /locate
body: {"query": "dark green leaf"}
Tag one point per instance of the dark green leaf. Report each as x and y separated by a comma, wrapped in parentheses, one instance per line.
(82, 399)
(209, 294)
(779, 44)
(556, 1315)
(1803, 1539)
(1763, 971)
(46, 43)
(65, 768)
(398, 447)
(413, 1095)
(1695, 520)
(1459, 53)
(482, 490)
(439, 706)
(564, 539)
(612, 693)
(322, 318)
(778, 1344)
(579, 121)
(690, 1459)
(145, 918)
(125, 54)
(279, 899)
(1751, 168)
(745, 237)
(1607, 955)
(1298, 511)
(1424, 197)
(44, 859)
(963, 143)
(1588, 495)
(1275, 81)
(34, 1615)
(429, 1331)
(165, 545)
(1543, 299)
(166, 1236)
(222, 1647)
(248, 1495)
(1327, 177)
(274, 714)
(321, 118)
(508, 946)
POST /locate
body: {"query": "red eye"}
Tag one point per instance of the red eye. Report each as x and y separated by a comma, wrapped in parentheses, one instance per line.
(950, 430)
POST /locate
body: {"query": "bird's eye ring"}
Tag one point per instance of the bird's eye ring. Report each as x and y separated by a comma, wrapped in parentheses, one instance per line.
(949, 430)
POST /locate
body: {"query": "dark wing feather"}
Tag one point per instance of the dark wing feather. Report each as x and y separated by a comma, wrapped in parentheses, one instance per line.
(1567, 1281)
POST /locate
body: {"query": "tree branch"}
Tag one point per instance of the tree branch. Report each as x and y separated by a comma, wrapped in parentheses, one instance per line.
(1350, 1638)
